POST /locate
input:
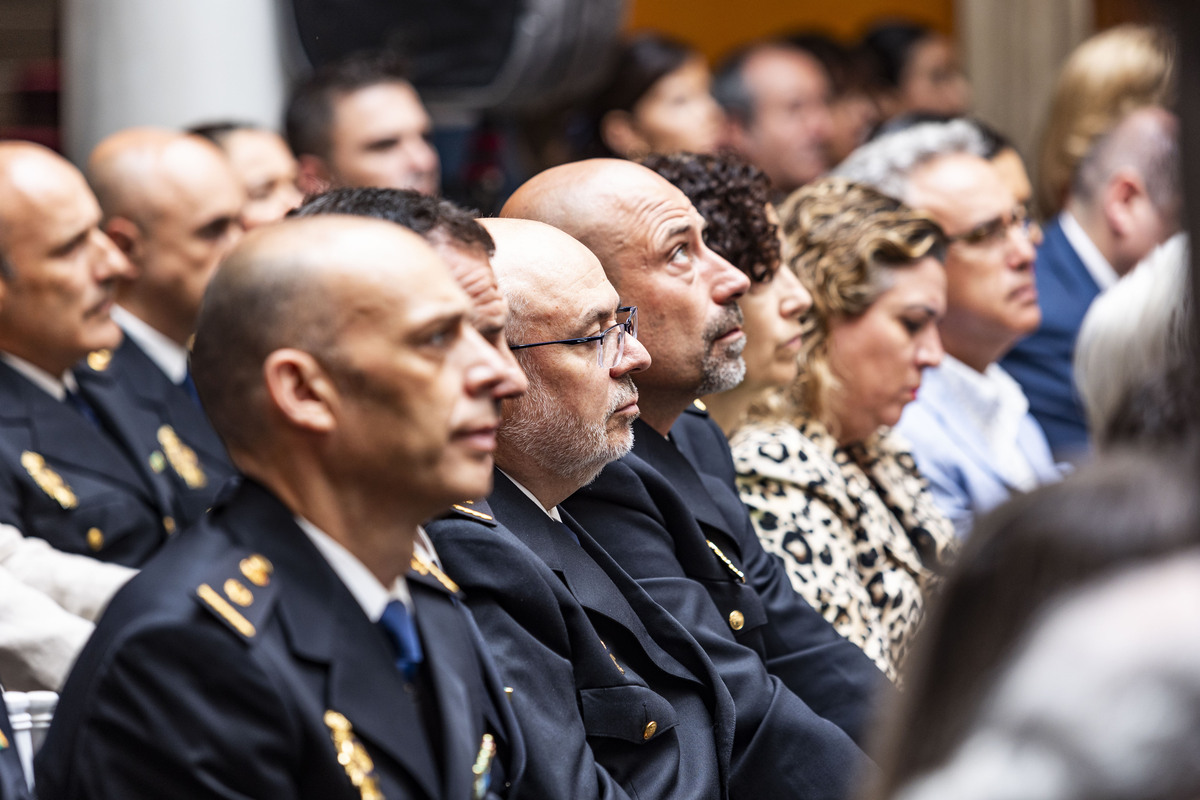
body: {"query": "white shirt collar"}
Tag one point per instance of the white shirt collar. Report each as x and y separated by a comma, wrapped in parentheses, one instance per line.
(372, 595)
(170, 357)
(1097, 265)
(552, 512)
(55, 387)
(995, 405)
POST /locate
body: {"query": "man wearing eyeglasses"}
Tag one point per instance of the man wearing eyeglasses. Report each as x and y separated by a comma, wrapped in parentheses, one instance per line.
(972, 434)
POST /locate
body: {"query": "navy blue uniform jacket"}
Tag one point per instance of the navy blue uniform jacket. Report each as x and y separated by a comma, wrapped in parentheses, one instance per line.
(83, 491)
(12, 778)
(684, 535)
(238, 665)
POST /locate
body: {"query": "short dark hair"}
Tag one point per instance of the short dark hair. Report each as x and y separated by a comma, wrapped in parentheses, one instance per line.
(732, 197)
(430, 217)
(642, 60)
(890, 45)
(217, 132)
(729, 87)
(309, 114)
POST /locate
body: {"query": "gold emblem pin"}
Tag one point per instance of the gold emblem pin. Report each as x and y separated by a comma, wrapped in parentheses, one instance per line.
(95, 538)
(157, 462)
(183, 458)
(353, 757)
(700, 405)
(257, 569)
(48, 480)
(99, 360)
(236, 591)
(725, 560)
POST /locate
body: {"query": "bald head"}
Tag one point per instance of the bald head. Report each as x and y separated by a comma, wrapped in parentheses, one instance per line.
(173, 204)
(292, 285)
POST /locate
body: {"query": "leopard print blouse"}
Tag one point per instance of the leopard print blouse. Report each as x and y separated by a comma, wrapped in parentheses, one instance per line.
(856, 527)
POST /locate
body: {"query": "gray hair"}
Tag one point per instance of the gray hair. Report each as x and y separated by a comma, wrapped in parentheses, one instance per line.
(1146, 141)
(886, 163)
(1133, 334)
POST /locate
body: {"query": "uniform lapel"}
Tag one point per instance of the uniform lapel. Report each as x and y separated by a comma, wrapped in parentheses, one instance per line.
(664, 456)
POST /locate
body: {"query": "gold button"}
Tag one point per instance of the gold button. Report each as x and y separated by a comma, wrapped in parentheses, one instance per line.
(95, 538)
(169, 524)
(650, 729)
(736, 620)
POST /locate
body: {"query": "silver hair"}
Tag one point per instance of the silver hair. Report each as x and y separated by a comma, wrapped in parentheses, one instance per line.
(1133, 334)
(887, 162)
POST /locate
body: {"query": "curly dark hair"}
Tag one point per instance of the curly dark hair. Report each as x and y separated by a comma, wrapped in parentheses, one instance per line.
(732, 196)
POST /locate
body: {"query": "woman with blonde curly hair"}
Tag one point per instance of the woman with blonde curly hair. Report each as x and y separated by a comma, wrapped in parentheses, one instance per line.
(1111, 74)
(830, 490)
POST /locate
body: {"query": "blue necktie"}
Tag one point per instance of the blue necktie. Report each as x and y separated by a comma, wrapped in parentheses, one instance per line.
(402, 632)
(77, 402)
(189, 386)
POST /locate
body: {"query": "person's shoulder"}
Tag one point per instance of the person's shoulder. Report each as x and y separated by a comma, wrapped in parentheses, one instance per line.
(481, 553)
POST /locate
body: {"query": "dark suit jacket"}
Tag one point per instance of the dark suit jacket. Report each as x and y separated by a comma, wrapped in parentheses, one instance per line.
(12, 778)
(213, 676)
(1043, 362)
(131, 375)
(675, 528)
(110, 503)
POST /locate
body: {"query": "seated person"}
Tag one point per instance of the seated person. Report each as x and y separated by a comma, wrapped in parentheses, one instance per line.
(265, 165)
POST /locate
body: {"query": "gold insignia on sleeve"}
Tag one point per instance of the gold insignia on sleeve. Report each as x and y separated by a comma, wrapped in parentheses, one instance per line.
(183, 458)
(48, 480)
(483, 767)
(227, 612)
(99, 360)
(725, 560)
(238, 593)
(257, 569)
(353, 757)
(423, 566)
(472, 512)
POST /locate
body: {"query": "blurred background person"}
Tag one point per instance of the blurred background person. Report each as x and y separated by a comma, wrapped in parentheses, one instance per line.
(830, 491)
(731, 195)
(263, 162)
(916, 69)
(1124, 200)
(658, 100)
(1113, 513)
(776, 101)
(1106, 77)
(852, 106)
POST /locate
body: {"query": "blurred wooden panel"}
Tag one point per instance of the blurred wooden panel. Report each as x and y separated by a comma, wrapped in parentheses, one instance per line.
(717, 26)
(1114, 12)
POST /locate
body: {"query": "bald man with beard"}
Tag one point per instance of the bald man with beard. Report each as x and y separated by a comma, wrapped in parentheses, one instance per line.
(173, 205)
(668, 512)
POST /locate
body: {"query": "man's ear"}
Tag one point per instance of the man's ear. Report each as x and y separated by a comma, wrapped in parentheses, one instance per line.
(127, 236)
(314, 176)
(300, 390)
(619, 134)
(1123, 195)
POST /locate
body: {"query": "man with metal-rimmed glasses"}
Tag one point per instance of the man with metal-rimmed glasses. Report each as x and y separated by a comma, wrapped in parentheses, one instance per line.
(970, 426)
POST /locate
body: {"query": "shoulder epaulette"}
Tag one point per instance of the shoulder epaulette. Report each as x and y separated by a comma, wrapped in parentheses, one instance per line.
(240, 592)
(427, 569)
(698, 408)
(477, 510)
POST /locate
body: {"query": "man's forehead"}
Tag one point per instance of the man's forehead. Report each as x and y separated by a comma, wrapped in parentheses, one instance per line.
(959, 190)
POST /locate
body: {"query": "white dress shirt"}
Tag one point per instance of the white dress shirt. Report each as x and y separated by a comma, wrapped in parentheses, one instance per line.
(1097, 265)
(169, 355)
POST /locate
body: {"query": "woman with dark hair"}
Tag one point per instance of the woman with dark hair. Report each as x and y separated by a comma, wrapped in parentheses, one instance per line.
(731, 195)
(1117, 512)
(657, 101)
(917, 69)
(831, 492)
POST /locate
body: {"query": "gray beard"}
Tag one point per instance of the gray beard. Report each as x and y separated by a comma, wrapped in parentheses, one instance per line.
(722, 369)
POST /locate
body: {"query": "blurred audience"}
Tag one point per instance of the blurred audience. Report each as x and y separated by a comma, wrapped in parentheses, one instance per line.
(1134, 361)
(829, 489)
(358, 121)
(1112, 73)
(852, 107)
(264, 164)
(658, 100)
(916, 69)
(970, 427)
(776, 101)
(1124, 200)
(732, 197)
(1118, 512)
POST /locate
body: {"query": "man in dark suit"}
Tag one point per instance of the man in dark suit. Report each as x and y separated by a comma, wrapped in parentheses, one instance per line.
(672, 529)
(83, 474)
(298, 642)
(1123, 202)
(12, 776)
(173, 205)
(571, 629)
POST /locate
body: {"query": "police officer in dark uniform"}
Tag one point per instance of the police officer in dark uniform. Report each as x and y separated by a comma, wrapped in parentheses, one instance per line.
(86, 476)
(299, 643)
